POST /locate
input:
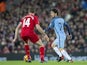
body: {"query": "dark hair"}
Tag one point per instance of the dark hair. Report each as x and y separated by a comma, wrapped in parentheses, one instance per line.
(32, 10)
(55, 11)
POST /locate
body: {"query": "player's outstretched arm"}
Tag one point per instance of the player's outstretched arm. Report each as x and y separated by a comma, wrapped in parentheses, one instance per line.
(69, 31)
(68, 28)
(38, 27)
(16, 31)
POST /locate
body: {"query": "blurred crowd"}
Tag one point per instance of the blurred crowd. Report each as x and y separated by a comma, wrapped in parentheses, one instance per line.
(73, 11)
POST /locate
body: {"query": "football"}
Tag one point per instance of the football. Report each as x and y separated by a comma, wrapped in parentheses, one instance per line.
(25, 58)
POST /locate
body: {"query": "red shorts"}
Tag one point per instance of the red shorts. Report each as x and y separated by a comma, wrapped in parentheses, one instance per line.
(33, 37)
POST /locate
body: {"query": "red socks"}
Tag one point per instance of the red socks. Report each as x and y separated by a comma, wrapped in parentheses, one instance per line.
(27, 50)
(41, 51)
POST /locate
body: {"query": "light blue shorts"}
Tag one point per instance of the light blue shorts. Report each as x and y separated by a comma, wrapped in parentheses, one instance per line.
(59, 41)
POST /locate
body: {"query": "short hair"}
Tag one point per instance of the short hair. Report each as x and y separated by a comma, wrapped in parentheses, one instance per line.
(55, 11)
(32, 10)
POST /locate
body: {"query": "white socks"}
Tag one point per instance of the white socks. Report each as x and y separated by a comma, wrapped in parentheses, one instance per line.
(57, 51)
(65, 54)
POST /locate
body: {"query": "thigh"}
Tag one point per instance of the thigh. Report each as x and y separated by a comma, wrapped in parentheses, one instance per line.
(34, 37)
(25, 38)
(62, 41)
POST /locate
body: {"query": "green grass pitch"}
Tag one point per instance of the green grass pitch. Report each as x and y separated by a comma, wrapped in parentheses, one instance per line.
(38, 63)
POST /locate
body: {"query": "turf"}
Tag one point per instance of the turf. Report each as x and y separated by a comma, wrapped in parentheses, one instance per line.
(38, 63)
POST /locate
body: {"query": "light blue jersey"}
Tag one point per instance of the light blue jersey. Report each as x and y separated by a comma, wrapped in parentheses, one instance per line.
(58, 25)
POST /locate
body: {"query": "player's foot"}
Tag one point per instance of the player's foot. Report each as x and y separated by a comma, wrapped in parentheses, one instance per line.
(60, 59)
(43, 61)
(70, 61)
(29, 60)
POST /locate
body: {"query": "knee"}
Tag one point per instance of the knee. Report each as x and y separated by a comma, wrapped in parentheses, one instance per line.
(61, 49)
(25, 43)
(41, 45)
(53, 45)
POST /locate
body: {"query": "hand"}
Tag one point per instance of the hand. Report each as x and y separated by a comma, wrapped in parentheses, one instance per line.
(14, 40)
(46, 37)
(72, 37)
(69, 36)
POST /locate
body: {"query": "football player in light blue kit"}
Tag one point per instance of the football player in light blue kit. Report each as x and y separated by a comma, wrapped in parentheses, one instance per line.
(58, 24)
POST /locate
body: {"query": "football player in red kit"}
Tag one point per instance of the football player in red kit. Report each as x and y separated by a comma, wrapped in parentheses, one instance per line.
(27, 25)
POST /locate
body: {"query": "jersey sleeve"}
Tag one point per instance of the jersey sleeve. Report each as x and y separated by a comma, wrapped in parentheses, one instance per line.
(68, 28)
(36, 20)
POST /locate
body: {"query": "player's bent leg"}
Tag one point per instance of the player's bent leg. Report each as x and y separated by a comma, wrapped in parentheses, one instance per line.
(56, 49)
(41, 50)
(66, 55)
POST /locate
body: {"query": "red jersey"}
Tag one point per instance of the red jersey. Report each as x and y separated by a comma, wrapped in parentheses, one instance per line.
(28, 24)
